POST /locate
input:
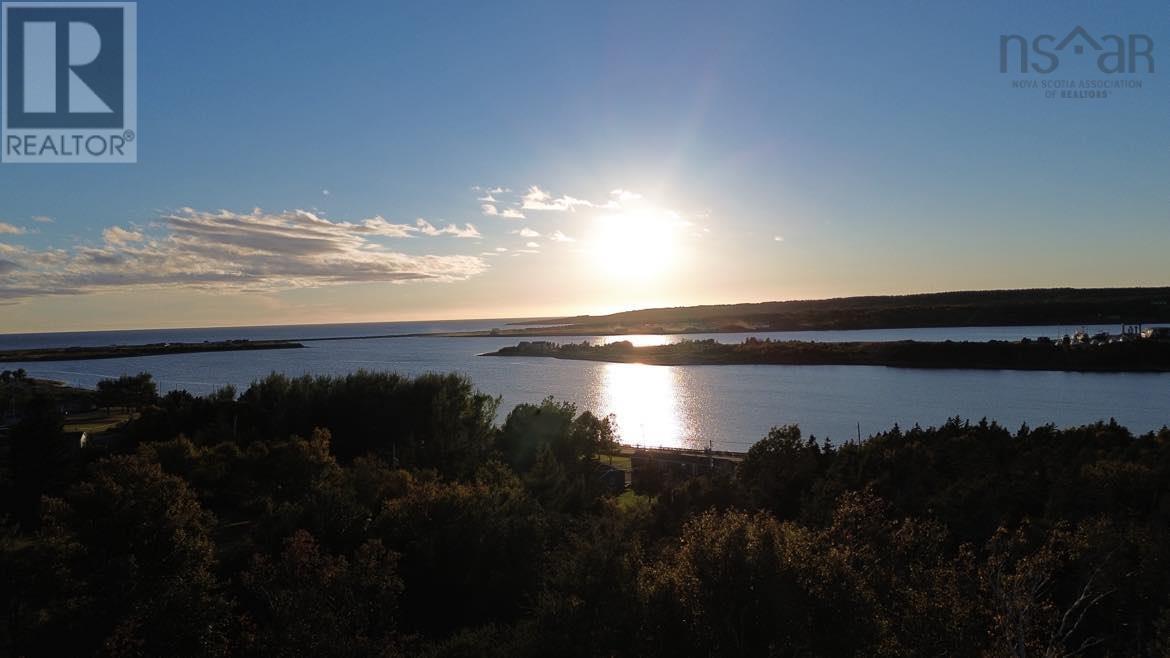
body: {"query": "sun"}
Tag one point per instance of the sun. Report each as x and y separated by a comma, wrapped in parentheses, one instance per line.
(634, 245)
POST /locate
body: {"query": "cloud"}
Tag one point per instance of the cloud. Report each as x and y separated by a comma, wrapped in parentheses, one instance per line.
(501, 249)
(43, 219)
(507, 213)
(9, 229)
(538, 199)
(532, 245)
(117, 235)
(325, 193)
(778, 238)
(381, 227)
(527, 233)
(535, 194)
(468, 230)
(224, 250)
(560, 237)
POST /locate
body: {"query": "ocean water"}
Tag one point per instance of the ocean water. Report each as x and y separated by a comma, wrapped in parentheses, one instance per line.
(729, 407)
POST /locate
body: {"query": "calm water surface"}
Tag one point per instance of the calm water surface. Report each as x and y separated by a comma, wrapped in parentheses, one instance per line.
(729, 406)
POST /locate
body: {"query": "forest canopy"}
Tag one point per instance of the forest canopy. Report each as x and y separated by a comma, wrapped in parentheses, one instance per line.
(375, 514)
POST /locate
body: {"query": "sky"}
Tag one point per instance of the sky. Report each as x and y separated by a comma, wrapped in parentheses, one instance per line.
(314, 162)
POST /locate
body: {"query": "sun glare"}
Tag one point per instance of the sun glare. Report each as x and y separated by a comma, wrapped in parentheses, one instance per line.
(635, 246)
(645, 401)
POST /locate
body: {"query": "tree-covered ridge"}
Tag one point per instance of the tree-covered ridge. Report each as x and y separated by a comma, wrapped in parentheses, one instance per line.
(375, 514)
(972, 308)
(1136, 355)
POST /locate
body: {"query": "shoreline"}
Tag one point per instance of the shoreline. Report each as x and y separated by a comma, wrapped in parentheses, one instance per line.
(1139, 356)
(37, 355)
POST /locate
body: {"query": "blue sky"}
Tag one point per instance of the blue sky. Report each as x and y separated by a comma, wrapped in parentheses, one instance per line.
(770, 150)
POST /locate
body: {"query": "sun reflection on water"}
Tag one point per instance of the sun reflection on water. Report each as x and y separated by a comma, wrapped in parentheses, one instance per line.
(645, 402)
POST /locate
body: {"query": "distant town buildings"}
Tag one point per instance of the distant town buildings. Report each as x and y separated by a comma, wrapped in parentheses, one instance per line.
(1128, 333)
(1157, 333)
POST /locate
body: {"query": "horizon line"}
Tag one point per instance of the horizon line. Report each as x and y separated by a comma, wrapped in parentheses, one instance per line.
(542, 318)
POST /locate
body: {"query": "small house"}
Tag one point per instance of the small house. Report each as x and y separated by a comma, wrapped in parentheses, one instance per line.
(1157, 333)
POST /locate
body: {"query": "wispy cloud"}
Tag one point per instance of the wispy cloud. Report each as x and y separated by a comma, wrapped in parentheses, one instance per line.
(43, 219)
(225, 250)
(620, 205)
(538, 199)
(468, 230)
(490, 210)
(116, 235)
(381, 227)
(10, 229)
(532, 245)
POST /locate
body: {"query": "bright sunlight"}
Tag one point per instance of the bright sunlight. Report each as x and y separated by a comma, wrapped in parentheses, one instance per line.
(635, 245)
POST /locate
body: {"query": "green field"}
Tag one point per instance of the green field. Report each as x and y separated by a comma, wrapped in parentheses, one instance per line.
(617, 461)
(95, 421)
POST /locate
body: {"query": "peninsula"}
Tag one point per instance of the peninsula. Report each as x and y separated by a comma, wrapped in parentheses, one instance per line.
(1141, 355)
(153, 349)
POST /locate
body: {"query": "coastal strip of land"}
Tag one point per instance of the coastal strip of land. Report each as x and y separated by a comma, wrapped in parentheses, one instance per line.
(153, 349)
(1124, 356)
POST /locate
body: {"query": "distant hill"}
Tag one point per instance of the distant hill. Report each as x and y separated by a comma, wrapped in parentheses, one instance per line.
(1050, 306)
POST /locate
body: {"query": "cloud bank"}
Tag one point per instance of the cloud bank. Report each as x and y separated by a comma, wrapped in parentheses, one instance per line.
(237, 252)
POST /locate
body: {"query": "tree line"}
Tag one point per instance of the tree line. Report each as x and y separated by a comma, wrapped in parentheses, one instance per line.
(375, 514)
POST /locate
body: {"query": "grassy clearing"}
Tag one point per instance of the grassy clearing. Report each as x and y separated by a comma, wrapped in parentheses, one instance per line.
(617, 461)
(95, 421)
